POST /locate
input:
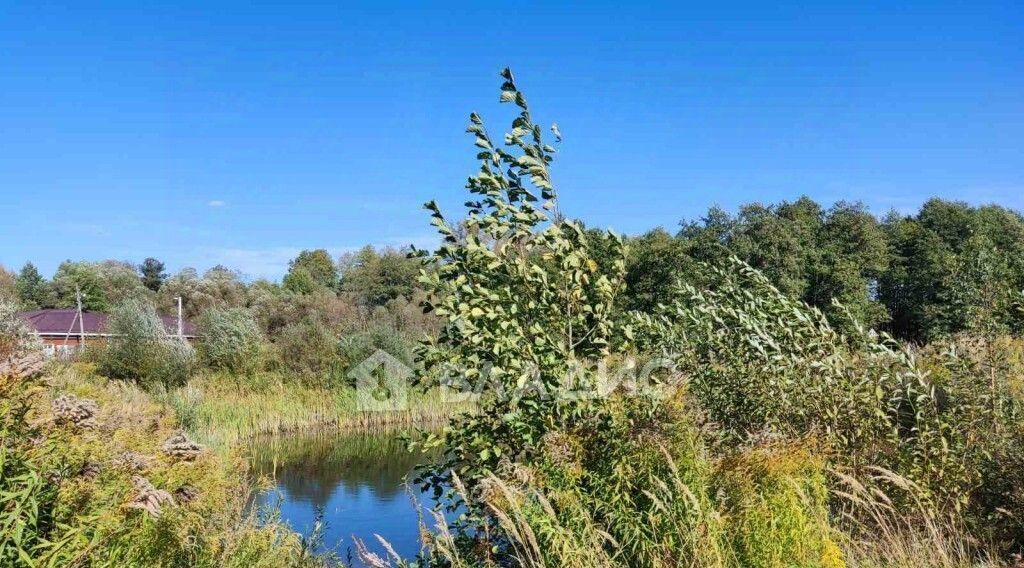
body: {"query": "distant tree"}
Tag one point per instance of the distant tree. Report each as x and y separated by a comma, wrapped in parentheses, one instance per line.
(654, 264)
(153, 274)
(183, 284)
(955, 268)
(808, 253)
(707, 240)
(377, 277)
(851, 253)
(34, 291)
(224, 286)
(103, 284)
(219, 287)
(8, 285)
(311, 269)
(84, 277)
(300, 281)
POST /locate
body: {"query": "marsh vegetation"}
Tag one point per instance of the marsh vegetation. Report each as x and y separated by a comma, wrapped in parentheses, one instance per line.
(832, 390)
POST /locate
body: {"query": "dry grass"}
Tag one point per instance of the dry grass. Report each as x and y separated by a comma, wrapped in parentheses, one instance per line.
(875, 533)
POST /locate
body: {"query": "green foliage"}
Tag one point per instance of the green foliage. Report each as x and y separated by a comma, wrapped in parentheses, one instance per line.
(8, 285)
(638, 470)
(656, 261)
(34, 291)
(219, 287)
(17, 338)
(65, 488)
(153, 275)
(309, 349)
(759, 362)
(377, 277)
(522, 304)
(102, 284)
(140, 349)
(955, 268)
(775, 502)
(230, 339)
(26, 518)
(310, 270)
(357, 347)
(300, 281)
(807, 252)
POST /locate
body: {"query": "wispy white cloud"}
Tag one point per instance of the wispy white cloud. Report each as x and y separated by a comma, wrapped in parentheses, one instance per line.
(216, 203)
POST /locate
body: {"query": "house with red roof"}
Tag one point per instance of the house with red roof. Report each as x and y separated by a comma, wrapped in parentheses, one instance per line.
(63, 331)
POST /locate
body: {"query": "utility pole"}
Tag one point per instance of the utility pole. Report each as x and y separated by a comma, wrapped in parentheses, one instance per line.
(180, 330)
(81, 319)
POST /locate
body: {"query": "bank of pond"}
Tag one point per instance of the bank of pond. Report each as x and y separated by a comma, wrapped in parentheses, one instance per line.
(332, 486)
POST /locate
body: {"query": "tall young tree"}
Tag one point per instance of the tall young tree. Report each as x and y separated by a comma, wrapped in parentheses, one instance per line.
(34, 291)
(8, 285)
(522, 303)
(153, 275)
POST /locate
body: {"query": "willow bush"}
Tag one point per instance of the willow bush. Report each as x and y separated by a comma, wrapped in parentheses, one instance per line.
(230, 339)
(140, 349)
(16, 336)
(762, 364)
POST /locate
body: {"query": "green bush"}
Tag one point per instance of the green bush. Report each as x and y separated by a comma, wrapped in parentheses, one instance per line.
(775, 508)
(16, 337)
(139, 348)
(309, 349)
(354, 348)
(230, 339)
(26, 516)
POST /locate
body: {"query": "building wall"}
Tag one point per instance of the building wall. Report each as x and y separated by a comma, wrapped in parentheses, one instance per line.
(59, 345)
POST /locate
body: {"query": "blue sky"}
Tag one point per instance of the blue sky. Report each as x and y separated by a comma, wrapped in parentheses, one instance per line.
(229, 133)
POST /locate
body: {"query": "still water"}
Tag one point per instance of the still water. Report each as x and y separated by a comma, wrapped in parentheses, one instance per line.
(357, 479)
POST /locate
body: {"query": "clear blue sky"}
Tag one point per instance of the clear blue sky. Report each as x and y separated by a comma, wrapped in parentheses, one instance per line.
(227, 133)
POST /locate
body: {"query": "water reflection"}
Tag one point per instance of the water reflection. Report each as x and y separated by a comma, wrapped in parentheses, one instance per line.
(357, 479)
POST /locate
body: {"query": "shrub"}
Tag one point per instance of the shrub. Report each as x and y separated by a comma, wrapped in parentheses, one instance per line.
(354, 348)
(230, 339)
(16, 337)
(775, 502)
(139, 348)
(759, 362)
(26, 517)
(309, 348)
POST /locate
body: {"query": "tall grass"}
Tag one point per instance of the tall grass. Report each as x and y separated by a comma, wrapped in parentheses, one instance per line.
(90, 471)
(876, 532)
(220, 410)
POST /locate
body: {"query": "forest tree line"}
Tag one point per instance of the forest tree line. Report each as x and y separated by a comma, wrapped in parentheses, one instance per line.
(948, 268)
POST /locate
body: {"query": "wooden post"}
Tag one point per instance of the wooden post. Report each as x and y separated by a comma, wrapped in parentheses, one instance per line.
(81, 319)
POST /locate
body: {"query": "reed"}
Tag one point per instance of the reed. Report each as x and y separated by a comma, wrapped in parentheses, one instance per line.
(221, 411)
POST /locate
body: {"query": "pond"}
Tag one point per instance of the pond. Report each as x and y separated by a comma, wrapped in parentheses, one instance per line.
(356, 479)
